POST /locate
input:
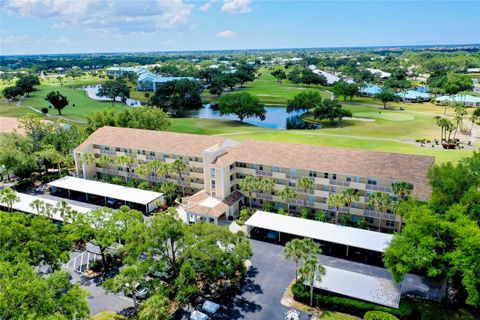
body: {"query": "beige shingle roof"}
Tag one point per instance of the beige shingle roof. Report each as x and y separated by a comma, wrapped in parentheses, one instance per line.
(370, 164)
(149, 140)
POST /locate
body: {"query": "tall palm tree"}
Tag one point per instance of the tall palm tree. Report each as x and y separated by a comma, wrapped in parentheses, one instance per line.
(155, 167)
(249, 185)
(460, 112)
(350, 195)
(37, 205)
(266, 185)
(179, 167)
(164, 169)
(64, 208)
(381, 201)
(295, 250)
(474, 117)
(9, 197)
(288, 195)
(311, 271)
(48, 210)
(144, 170)
(105, 161)
(402, 190)
(88, 158)
(336, 200)
(305, 184)
(126, 160)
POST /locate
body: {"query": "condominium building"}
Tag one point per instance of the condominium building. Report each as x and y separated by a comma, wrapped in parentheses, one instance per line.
(216, 166)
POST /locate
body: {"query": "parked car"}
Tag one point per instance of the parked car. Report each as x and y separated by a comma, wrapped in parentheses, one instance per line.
(197, 315)
(141, 291)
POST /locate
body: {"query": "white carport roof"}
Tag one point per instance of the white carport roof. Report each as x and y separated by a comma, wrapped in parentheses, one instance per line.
(370, 240)
(361, 286)
(23, 205)
(106, 190)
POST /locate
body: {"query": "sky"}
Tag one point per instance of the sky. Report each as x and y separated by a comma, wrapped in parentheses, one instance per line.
(78, 26)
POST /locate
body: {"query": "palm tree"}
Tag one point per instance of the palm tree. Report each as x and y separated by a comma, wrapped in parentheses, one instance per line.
(155, 167)
(266, 185)
(105, 161)
(9, 197)
(48, 210)
(474, 117)
(381, 201)
(126, 160)
(288, 195)
(36, 205)
(163, 169)
(64, 208)
(305, 184)
(88, 158)
(336, 200)
(312, 249)
(248, 185)
(144, 170)
(180, 167)
(460, 112)
(311, 271)
(350, 195)
(295, 250)
(402, 190)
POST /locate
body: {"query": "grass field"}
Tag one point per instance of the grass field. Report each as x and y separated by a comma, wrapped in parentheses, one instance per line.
(271, 92)
(391, 130)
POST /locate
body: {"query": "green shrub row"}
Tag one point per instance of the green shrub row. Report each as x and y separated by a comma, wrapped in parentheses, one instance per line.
(348, 305)
(378, 315)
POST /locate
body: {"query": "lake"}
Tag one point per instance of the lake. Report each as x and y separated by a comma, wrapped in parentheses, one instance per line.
(275, 118)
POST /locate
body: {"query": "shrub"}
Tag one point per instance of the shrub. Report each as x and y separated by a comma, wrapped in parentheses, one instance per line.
(379, 315)
(347, 305)
(95, 265)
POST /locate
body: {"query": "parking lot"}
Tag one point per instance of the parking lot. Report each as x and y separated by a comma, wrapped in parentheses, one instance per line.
(99, 299)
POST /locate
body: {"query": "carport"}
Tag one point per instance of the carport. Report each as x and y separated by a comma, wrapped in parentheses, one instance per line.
(106, 194)
(344, 240)
(361, 286)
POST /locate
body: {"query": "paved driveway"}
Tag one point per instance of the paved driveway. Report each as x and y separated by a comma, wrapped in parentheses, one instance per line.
(99, 299)
(264, 286)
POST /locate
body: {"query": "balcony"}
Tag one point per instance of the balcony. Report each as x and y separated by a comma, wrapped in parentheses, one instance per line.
(378, 188)
(339, 183)
(263, 173)
(291, 176)
(376, 214)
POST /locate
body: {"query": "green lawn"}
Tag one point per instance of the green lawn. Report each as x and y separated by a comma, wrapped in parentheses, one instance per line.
(270, 91)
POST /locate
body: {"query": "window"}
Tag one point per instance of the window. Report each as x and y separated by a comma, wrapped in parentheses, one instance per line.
(291, 184)
(369, 220)
(349, 179)
(117, 149)
(334, 176)
(358, 179)
(312, 174)
(152, 154)
(212, 172)
(231, 177)
(390, 223)
(325, 175)
(372, 181)
(213, 183)
(260, 167)
(326, 188)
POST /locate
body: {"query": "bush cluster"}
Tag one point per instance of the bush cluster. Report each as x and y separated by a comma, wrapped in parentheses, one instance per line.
(348, 305)
(378, 315)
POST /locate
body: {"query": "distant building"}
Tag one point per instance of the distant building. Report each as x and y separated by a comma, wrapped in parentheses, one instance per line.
(465, 99)
(149, 81)
(413, 96)
(473, 70)
(370, 90)
(121, 71)
(382, 74)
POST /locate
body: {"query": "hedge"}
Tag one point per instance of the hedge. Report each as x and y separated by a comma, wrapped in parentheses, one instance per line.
(378, 315)
(348, 305)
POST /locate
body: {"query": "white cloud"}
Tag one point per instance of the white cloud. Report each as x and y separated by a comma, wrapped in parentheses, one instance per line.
(227, 34)
(237, 6)
(128, 17)
(11, 39)
(207, 5)
(63, 40)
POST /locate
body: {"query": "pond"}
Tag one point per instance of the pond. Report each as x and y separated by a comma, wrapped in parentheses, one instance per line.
(275, 118)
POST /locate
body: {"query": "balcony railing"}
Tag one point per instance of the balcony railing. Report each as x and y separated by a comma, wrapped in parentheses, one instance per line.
(339, 183)
(378, 188)
(377, 214)
(263, 173)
